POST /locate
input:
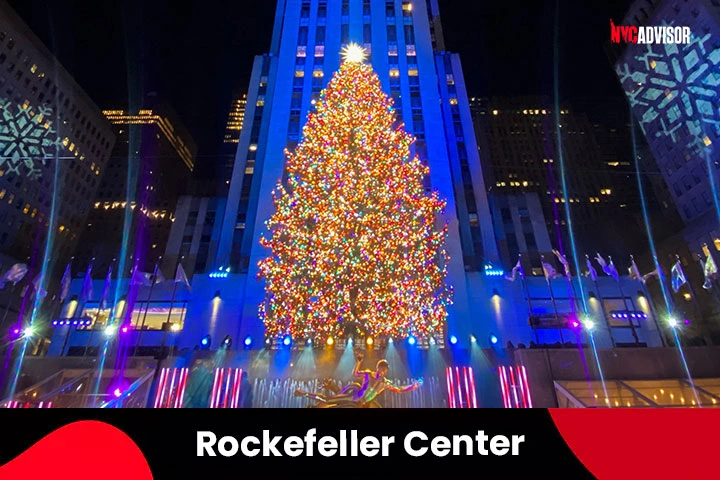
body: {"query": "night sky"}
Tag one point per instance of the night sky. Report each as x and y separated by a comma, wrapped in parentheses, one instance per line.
(194, 53)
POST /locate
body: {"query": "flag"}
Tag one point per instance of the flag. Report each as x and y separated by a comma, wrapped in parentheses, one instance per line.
(180, 276)
(563, 260)
(711, 272)
(608, 268)
(87, 286)
(37, 285)
(106, 289)
(159, 278)
(678, 276)
(591, 270)
(648, 276)
(549, 270)
(65, 284)
(634, 271)
(16, 273)
(517, 269)
(140, 278)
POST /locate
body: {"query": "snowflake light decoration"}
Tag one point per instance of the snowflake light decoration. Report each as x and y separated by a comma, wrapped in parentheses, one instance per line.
(673, 89)
(27, 139)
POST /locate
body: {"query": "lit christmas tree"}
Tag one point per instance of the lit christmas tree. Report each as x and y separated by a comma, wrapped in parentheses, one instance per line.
(355, 250)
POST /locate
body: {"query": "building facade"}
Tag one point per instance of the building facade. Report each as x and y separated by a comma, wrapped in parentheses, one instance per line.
(150, 168)
(673, 92)
(48, 126)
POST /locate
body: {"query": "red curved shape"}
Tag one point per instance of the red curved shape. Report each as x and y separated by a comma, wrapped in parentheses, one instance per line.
(642, 443)
(81, 450)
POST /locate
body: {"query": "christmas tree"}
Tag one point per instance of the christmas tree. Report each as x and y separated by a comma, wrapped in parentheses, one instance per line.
(354, 245)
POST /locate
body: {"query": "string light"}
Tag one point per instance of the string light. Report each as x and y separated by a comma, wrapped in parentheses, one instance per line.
(354, 247)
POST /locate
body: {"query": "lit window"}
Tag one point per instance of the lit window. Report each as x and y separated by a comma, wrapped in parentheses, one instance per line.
(407, 7)
(495, 112)
(301, 51)
(413, 72)
(320, 50)
(34, 68)
(394, 73)
(716, 242)
(62, 228)
(299, 73)
(707, 141)
(2, 193)
(453, 101)
(450, 79)
(392, 50)
(410, 50)
(318, 74)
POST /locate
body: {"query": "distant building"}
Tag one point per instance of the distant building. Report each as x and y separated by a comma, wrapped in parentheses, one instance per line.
(233, 127)
(517, 137)
(673, 93)
(47, 122)
(150, 168)
(195, 233)
(520, 229)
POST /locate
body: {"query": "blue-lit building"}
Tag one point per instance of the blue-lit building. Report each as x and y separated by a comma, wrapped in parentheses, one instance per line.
(217, 240)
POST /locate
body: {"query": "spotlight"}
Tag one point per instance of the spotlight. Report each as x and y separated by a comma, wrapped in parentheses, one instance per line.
(287, 340)
(493, 339)
(495, 292)
(110, 331)
(54, 323)
(432, 341)
(117, 393)
(61, 323)
(16, 331)
(391, 341)
(673, 322)
(248, 341)
(227, 341)
(687, 322)
(125, 329)
(205, 342)
(453, 340)
(217, 295)
(589, 325)
(268, 342)
(309, 342)
(369, 341)
(330, 341)
(175, 327)
(412, 340)
(28, 332)
(88, 323)
(473, 339)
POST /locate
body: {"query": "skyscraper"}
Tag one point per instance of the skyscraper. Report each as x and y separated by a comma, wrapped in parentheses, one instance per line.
(673, 92)
(47, 121)
(231, 137)
(404, 44)
(149, 169)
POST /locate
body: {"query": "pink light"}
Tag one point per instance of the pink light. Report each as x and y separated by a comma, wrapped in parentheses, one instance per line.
(235, 401)
(514, 387)
(125, 329)
(172, 388)
(522, 388)
(472, 387)
(459, 386)
(467, 388)
(527, 386)
(49, 405)
(161, 387)
(504, 387)
(448, 379)
(116, 392)
(214, 389)
(184, 386)
(575, 324)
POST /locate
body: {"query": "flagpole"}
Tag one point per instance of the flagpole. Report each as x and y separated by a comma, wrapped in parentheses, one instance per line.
(552, 298)
(147, 307)
(602, 302)
(622, 294)
(527, 295)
